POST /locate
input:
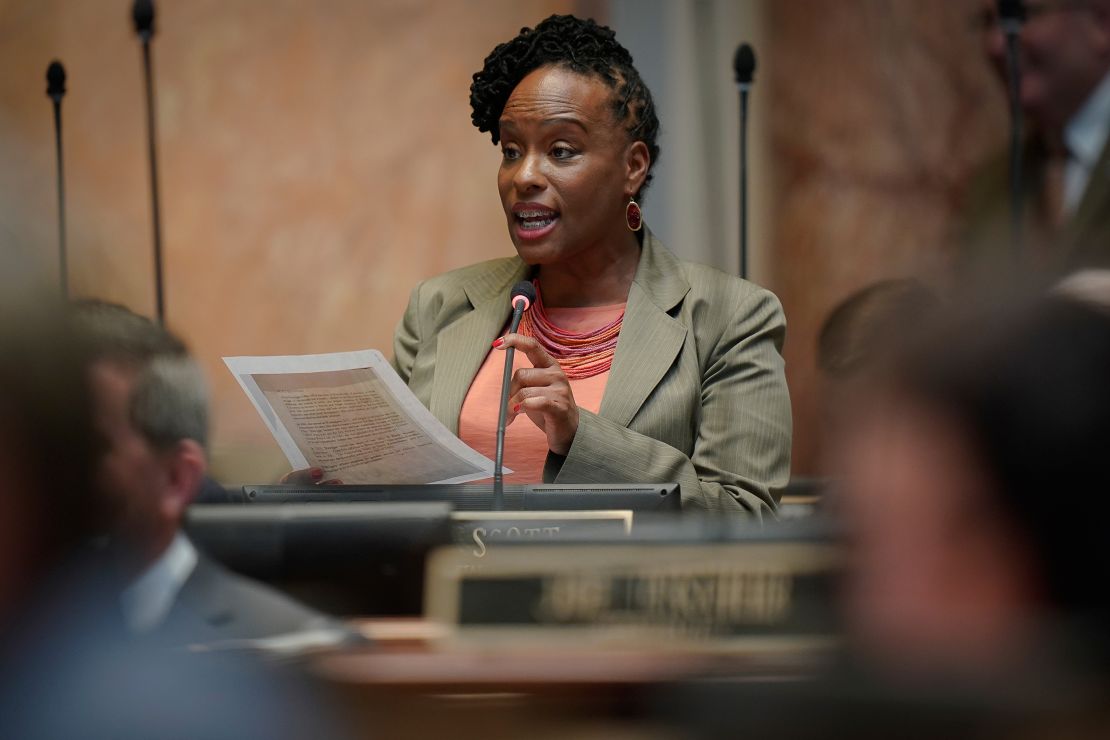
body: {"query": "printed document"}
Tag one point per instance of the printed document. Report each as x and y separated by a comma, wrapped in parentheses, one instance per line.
(350, 414)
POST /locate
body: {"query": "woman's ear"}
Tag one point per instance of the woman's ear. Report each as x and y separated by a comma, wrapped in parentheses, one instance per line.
(637, 163)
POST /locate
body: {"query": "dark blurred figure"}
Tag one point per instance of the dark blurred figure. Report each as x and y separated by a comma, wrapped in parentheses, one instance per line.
(857, 342)
(151, 406)
(48, 452)
(974, 494)
(1065, 94)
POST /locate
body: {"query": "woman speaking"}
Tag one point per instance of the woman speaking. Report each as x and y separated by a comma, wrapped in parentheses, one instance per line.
(632, 365)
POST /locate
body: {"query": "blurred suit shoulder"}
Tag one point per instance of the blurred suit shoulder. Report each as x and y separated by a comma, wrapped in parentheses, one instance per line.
(217, 604)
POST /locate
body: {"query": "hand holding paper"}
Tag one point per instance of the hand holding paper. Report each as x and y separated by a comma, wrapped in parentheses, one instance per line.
(351, 415)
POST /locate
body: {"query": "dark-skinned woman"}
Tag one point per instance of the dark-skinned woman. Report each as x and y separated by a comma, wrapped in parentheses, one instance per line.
(632, 365)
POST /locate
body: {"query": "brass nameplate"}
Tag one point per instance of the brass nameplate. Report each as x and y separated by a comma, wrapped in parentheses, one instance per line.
(475, 531)
(690, 592)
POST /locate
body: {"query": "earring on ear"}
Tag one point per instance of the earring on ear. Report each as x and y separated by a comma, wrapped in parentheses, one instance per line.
(633, 216)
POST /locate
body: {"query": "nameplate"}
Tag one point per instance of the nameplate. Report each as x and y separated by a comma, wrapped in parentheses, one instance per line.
(774, 594)
(476, 531)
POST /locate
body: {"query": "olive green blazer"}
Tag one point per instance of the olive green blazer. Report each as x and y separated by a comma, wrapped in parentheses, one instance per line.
(696, 394)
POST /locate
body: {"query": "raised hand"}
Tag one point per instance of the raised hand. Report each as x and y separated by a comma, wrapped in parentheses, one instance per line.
(543, 393)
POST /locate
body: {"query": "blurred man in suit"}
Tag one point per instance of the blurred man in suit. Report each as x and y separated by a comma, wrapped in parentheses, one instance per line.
(1064, 55)
(151, 406)
(68, 668)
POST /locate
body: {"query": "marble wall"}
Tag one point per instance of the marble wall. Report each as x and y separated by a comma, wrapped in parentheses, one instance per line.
(878, 113)
(317, 161)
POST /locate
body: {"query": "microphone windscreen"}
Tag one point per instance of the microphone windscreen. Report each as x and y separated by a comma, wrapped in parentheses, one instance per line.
(55, 79)
(1011, 10)
(524, 289)
(744, 64)
(142, 13)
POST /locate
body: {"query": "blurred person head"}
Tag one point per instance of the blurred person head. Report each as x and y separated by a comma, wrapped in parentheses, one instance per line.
(863, 326)
(48, 449)
(1064, 53)
(973, 491)
(859, 338)
(152, 409)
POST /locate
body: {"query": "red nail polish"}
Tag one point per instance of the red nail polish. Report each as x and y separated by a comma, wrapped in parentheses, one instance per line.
(498, 342)
(516, 409)
(316, 473)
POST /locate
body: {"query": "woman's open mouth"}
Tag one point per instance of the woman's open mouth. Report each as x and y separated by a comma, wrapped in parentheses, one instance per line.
(534, 221)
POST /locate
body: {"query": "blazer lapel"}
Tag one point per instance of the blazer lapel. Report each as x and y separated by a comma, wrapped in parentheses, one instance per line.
(650, 338)
(462, 346)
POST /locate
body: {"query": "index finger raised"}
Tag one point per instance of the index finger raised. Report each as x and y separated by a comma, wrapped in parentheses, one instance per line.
(536, 354)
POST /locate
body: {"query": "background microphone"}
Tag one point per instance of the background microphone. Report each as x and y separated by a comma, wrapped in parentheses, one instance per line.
(142, 13)
(56, 90)
(1011, 17)
(743, 63)
(522, 297)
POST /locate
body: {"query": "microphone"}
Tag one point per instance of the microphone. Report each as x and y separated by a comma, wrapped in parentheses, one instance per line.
(1012, 15)
(142, 14)
(56, 90)
(522, 297)
(1011, 18)
(743, 63)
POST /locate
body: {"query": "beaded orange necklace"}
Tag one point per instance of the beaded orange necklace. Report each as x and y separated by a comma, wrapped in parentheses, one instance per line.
(579, 355)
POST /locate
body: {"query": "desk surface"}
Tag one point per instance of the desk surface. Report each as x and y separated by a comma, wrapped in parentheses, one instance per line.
(408, 655)
(412, 684)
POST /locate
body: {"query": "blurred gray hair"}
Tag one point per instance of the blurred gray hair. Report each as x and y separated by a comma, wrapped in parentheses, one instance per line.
(169, 402)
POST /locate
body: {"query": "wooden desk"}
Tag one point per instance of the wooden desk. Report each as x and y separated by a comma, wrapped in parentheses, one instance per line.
(409, 686)
(407, 656)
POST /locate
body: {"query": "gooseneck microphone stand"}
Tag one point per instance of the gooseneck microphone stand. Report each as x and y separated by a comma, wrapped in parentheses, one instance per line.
(1011, 16)
(142, 13)
(744, 65)
(522, 297)
(56, 90)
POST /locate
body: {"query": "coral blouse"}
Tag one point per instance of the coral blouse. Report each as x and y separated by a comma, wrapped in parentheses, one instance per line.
(525, 443)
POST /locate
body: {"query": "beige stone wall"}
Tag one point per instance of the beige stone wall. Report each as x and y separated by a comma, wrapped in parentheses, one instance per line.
(317, 161)
(878, 111)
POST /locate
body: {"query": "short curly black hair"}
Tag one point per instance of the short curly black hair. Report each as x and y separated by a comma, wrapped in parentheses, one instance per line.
(581, 46)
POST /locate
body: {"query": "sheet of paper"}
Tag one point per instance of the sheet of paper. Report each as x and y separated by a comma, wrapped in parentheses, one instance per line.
(352, 415)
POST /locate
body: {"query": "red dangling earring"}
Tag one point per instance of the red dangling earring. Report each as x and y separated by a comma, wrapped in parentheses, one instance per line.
(633, 215)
